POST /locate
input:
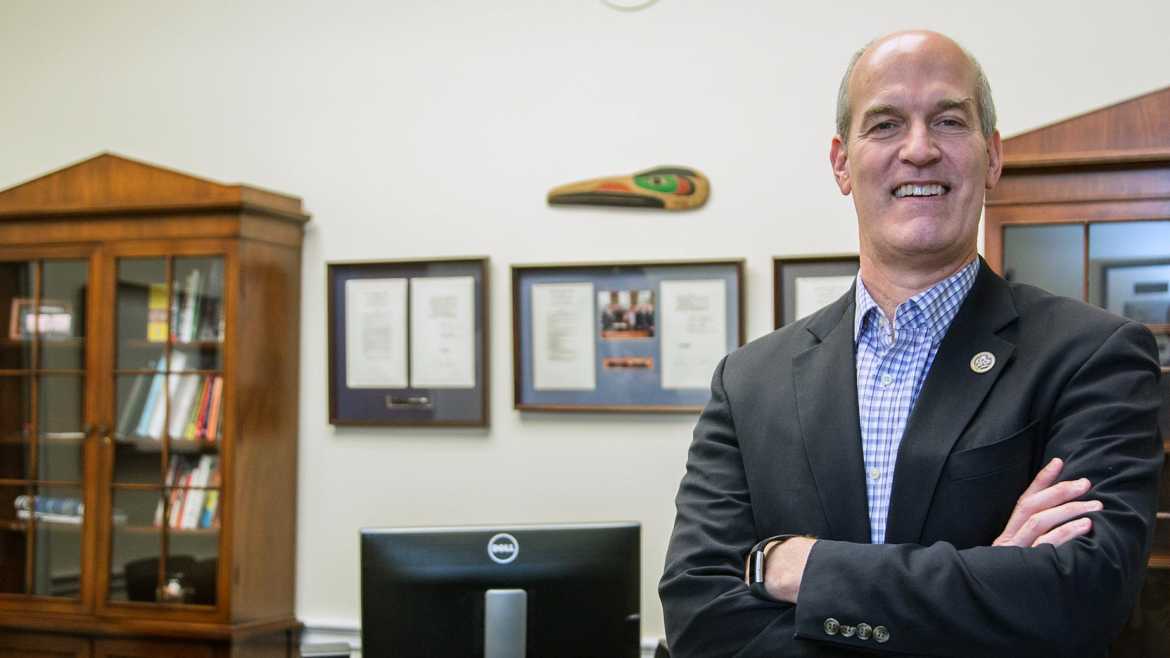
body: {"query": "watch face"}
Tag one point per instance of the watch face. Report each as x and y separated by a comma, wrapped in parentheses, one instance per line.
(628, 5)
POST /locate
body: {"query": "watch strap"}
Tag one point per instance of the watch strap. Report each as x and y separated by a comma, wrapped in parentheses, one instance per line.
(756, 561)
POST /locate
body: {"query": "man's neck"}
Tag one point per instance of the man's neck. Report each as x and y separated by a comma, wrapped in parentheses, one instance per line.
(890, 284)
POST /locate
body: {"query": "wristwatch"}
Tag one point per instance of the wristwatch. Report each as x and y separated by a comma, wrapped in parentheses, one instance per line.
(756, 560)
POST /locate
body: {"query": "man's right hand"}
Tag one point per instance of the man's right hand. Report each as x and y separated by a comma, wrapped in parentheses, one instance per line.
(1047, 512)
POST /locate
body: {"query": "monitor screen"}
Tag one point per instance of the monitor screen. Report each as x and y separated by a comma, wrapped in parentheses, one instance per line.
(538, 591)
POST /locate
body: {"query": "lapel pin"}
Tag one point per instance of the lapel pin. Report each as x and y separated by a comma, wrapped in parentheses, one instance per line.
(982, 362)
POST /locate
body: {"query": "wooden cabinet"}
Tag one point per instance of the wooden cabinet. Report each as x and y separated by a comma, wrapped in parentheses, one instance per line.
(1083, 210)
(148, 414)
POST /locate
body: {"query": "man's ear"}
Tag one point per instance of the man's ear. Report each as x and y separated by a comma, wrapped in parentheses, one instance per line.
(994, 160)
(839, 159)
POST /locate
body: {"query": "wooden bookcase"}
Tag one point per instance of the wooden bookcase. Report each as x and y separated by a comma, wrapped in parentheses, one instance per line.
(1083, 210)
(148, 414)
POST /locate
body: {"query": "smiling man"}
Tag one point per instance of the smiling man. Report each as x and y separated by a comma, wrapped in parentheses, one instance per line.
(940, 462)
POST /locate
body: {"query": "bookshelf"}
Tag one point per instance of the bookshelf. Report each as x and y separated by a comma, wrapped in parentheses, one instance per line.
(148, 414)
(1083, 210)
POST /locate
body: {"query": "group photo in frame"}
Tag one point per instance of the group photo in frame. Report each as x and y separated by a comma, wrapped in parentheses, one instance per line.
(629, 336)
(408, 342)
(803, 284)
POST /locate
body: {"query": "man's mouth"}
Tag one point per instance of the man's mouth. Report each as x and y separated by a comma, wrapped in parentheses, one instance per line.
(929, 189)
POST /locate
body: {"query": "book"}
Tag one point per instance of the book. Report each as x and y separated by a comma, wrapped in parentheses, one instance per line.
(210, 518)
(142, 429)
(193, 505)
(173, 475)
(159, 415)
(156, 315)
(212, 324)
(211, 314)
(198, 414)
(185, 392)
(134, 403)
(214, 416)
(189, 306)
(180, 491)
(56, 509)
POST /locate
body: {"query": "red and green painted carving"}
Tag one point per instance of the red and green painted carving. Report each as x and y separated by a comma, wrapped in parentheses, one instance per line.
(666, 188)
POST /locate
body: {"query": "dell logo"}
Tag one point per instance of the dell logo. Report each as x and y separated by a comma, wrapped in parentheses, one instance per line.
(503, 548)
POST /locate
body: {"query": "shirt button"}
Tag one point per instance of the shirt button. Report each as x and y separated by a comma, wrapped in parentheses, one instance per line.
(875, 473)
(887, 379)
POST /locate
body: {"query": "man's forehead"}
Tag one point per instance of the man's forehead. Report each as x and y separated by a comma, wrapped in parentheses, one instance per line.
(914, 79)
(907, 42)
(921, 56)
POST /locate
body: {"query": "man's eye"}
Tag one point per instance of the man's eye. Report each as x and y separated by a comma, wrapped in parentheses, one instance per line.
(951, 122)
(882, 126)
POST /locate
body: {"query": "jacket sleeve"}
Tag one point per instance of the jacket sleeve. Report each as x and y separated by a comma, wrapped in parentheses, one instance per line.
(708, 609)
(1042, 601)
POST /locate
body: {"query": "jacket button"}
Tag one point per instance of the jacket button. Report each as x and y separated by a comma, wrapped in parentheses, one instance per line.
(881, 634)
(848, 631)
(864, 631)
(832, 626)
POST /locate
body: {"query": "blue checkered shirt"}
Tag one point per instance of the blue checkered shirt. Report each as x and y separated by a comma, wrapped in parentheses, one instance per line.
(892, 362)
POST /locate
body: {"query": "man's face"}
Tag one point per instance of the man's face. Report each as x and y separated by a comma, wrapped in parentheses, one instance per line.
(916, 163)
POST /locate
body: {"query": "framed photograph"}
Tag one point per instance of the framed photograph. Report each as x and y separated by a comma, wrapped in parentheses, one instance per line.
(408, 342)
(632, 337)
(804, 284)
(1138, 289)
(50, 320)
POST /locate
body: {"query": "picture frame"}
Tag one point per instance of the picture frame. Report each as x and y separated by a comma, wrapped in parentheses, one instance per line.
(408, 342)
(49, 320)
(634, 336)
(1138, 289)
(803, 284)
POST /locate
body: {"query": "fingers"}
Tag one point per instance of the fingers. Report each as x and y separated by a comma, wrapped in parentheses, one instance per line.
(1035, 501)
(1047, 521)
(1065, 532)
(1042, 481)
(1045, 477)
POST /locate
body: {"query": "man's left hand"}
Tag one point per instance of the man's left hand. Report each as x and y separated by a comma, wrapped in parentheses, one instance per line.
(784, 568)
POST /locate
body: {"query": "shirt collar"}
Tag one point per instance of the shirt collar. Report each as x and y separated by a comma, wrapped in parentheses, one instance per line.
(937, 305)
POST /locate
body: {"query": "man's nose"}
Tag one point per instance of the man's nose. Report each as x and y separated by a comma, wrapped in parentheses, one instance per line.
(919, 147)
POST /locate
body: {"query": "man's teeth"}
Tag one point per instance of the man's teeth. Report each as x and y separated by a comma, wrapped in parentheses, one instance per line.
(919, 190)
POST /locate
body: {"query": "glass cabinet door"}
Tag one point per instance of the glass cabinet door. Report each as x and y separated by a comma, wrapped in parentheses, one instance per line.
(42, 426)
(168, 383)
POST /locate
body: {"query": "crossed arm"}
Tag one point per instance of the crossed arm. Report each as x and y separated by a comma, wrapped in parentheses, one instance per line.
(1048, 512)
(1049, 585)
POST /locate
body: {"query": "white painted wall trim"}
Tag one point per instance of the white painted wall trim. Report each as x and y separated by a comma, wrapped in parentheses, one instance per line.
(318, 631)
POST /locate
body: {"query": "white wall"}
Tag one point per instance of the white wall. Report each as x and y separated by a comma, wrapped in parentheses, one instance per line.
(434, 128)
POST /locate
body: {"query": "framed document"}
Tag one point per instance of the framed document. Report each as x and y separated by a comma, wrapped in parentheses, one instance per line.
(641, 336)
(408, 342)
(805, 284)
(51, 320)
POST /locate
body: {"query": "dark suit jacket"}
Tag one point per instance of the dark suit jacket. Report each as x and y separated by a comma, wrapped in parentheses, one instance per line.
(778, 450)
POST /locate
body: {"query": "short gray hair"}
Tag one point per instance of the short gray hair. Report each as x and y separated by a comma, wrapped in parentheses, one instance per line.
(984, 104)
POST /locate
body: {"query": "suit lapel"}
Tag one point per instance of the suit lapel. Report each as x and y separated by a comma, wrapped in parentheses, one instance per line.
(950, 396)
(825, 381)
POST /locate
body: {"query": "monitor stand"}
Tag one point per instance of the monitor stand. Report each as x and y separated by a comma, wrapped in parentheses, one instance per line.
(505, 623)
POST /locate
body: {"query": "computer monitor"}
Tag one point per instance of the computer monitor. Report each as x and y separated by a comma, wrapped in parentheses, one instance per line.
(532, 591)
